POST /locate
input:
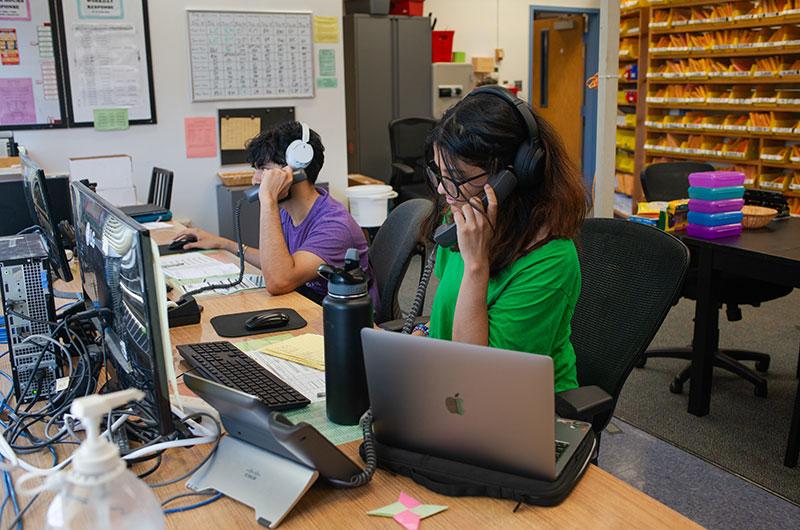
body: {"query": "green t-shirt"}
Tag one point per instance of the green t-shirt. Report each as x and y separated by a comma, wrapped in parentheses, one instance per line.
(530, 304)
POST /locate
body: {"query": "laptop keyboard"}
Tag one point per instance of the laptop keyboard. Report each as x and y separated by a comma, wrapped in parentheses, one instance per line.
(560, 448)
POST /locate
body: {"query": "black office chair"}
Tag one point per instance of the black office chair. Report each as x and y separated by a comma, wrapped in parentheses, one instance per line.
(395, 244)
(160, 193)
(669, 181)
(407, 137)
(630, 275)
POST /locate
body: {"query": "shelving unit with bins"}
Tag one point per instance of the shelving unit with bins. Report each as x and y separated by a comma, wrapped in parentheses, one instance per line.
(723, 86)
(630, 101)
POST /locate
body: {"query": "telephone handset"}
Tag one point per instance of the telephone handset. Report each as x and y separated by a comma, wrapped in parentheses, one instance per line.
(251, 194)
(502, 183)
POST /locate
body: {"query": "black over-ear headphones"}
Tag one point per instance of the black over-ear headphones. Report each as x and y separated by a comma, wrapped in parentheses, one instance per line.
(529, 160)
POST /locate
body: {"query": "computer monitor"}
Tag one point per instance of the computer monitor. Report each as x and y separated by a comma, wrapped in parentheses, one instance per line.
(38, 200)
(119, 269)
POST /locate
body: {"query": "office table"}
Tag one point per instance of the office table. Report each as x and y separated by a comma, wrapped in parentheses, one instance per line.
(770, 254)
(599, 501)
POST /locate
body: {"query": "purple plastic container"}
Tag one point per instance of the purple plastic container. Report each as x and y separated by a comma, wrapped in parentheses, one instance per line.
(713, 232)
(727, 205)
(716, 179)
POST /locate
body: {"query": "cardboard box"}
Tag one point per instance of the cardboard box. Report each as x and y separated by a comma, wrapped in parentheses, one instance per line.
(483, 65)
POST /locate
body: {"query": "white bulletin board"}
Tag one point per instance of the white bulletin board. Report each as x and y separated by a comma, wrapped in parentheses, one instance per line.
(31, 91)
(108, 66)
(250, 54)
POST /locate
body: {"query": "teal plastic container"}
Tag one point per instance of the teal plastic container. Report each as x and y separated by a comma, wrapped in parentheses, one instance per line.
(716, 194)
(715, 219)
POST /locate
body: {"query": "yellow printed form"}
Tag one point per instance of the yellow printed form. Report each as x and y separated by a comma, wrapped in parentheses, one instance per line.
(307, 349)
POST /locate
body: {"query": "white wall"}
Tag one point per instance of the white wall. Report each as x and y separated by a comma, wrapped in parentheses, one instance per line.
(478, 32)
(194, 193)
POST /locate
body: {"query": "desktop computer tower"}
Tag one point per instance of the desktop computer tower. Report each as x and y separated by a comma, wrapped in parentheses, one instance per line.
(25, 287)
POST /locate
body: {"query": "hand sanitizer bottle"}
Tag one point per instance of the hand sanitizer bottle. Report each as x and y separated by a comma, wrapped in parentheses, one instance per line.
(99, 492)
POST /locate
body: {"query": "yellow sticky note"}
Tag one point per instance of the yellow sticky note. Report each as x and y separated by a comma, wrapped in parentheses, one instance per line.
(326, 30)
(307, 349)
(236, 132)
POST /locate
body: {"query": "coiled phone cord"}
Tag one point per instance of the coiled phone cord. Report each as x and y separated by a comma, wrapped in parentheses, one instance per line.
(419, 298)
(240, 247)
(370, 456)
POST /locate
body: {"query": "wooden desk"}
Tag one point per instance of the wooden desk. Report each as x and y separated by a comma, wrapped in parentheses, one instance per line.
(599, 501)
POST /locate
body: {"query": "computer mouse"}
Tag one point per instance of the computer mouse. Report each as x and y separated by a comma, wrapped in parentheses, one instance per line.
(266, 320)
(179, 243)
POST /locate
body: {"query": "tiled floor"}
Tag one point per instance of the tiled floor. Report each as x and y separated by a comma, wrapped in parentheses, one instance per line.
(701, 491)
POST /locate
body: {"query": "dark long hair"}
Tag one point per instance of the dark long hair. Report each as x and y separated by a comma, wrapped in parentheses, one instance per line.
(484, 131)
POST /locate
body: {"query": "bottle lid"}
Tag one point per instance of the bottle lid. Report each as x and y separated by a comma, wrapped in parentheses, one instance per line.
(347, 282)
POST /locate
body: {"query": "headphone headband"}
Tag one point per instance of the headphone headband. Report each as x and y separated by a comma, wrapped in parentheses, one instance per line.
(522, 108)
(306, 135)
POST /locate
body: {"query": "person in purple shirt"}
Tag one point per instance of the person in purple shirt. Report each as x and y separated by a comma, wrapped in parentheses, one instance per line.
(301, 225)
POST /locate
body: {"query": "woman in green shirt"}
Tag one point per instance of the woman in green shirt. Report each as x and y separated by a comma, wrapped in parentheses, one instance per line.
(514, 279)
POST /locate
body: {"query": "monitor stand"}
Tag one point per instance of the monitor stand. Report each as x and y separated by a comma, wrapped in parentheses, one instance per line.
(268, 483)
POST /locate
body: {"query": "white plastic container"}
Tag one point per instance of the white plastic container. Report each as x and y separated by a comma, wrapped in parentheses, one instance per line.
(369, 204)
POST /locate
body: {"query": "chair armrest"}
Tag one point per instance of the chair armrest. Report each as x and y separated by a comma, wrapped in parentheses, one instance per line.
(397, 325)
(583, 403)
(404, 169)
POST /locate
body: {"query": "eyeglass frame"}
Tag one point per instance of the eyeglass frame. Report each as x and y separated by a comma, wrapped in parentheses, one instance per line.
(437, 178)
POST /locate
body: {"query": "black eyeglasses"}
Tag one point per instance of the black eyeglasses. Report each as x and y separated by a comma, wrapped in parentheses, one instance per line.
(451, 186)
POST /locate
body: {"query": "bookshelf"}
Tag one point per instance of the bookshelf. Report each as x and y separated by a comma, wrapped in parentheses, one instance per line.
(723, 86)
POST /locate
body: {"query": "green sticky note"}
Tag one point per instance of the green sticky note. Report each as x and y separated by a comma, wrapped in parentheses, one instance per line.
(389, 511)
(426, 510)
(327, 62)
(110, 119)
(327, 82)
(257, 344)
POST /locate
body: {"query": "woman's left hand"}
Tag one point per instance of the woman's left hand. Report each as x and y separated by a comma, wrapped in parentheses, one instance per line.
(475, 227)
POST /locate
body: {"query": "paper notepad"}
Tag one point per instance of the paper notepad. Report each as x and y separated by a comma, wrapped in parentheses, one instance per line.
(307, 349)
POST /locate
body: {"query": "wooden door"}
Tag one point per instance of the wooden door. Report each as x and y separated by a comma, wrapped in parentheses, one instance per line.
(558, 77)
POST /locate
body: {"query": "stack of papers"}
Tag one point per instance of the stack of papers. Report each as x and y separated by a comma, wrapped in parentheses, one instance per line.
(195, 266)
(308, 350)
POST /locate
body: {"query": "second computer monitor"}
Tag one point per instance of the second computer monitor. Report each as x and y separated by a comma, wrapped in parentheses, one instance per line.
(119, 273)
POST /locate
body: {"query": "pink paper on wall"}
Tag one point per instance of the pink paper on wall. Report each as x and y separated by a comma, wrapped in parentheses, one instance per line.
(201, 137)
(17, 105)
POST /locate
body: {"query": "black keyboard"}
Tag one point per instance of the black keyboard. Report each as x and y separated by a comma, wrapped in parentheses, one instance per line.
(560, 448)
(224, 363)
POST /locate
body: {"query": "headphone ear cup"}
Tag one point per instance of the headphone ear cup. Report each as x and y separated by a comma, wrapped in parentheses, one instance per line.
(527, 163)
(299, 154)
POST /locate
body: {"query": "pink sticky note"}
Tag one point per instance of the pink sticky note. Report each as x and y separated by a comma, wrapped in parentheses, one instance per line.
(409, 520)
(17, 106)
(201, 137)
(408, 501)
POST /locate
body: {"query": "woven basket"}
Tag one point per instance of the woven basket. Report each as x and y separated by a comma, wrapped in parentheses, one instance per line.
(757, 216)
(236, 178)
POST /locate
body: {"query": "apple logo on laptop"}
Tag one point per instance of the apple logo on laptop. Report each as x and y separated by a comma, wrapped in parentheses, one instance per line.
(455, 404)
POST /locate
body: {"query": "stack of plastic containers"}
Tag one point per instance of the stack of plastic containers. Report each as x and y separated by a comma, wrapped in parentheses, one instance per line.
(715, 204)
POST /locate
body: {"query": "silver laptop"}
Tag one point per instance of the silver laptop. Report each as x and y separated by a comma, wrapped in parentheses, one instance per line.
(483, 406)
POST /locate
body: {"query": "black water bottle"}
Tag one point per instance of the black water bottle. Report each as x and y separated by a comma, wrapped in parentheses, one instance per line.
(345, 311)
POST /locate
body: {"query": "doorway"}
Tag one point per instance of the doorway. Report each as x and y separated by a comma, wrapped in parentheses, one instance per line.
(564, 54)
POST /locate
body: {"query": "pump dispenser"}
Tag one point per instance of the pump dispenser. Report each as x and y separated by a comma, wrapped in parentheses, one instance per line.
(99, 492)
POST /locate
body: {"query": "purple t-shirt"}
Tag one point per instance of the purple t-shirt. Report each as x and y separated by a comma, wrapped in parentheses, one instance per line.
(328, 231)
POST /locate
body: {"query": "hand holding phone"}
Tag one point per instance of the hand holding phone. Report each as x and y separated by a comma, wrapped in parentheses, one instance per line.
(502, 183)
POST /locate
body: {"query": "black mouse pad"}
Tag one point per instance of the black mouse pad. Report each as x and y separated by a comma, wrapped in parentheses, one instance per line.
(233, 325)
(163, 250)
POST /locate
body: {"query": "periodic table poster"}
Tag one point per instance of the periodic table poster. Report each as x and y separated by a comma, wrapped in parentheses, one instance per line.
(247, 55)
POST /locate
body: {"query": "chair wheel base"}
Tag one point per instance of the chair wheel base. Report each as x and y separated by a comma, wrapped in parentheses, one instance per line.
(676, 387)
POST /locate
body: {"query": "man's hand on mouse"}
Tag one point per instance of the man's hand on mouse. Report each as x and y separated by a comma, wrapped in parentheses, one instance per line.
(205, 239)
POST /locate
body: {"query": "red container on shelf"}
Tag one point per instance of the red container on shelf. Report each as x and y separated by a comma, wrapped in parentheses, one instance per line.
(442, 46)
(412, 8)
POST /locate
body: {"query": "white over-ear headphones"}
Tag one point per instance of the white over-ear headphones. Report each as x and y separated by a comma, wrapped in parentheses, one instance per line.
(300, 153)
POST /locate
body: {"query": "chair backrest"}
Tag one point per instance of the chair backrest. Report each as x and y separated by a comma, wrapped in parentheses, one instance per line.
(160, 192)
(396, 242)
(668, 181)
(630, 273)
(407, 138)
